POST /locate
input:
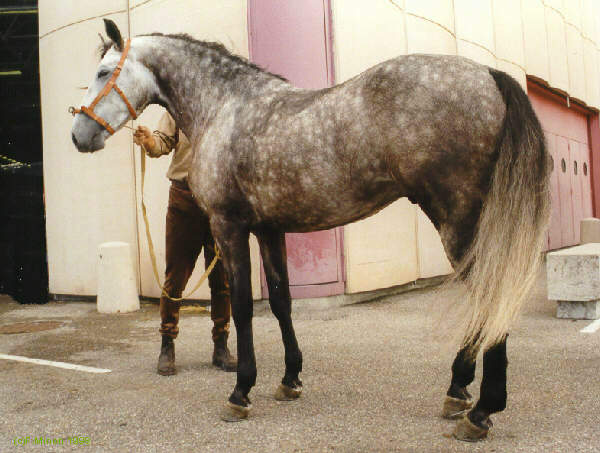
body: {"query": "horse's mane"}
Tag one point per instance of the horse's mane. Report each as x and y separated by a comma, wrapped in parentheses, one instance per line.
(214, 46)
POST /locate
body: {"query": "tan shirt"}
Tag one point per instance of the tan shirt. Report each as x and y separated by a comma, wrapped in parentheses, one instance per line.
(168, 137)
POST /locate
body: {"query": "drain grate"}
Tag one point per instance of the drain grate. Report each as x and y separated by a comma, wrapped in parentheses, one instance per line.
(29, 327)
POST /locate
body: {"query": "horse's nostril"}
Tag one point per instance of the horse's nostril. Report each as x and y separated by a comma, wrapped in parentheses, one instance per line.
(73, 138)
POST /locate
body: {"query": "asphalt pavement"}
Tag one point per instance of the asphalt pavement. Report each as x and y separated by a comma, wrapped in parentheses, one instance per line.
(375, 375)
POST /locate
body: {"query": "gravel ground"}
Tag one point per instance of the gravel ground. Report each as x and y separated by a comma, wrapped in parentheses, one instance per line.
(375, 376)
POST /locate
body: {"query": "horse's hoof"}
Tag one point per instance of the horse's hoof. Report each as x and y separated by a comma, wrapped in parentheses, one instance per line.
(234, 412)
(285, 393)
(167, 371)
(455, 408)
(467, 431)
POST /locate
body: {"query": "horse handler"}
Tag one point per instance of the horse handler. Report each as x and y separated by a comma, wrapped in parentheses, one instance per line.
(188, 231)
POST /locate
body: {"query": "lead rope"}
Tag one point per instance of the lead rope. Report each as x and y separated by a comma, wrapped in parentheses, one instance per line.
(151, 245)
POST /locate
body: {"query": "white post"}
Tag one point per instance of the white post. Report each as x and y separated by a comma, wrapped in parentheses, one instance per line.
(117, 289)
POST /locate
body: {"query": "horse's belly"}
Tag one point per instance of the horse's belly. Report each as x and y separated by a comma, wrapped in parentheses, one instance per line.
(324, 207)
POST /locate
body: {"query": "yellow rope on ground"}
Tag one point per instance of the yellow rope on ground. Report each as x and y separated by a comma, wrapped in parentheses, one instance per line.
(151, 245)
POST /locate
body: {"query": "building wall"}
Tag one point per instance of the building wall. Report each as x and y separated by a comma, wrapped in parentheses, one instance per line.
(95, 198)
(91, 199)
(556, 41)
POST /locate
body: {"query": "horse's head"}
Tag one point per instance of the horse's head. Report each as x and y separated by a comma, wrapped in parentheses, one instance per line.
(122, 87)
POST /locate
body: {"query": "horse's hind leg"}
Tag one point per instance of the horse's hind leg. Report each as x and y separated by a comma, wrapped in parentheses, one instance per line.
(272, 247)
(492, 397)
(232, 239)
(458, 399)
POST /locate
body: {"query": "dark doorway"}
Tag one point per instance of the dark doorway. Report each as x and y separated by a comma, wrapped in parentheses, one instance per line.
(23, 267)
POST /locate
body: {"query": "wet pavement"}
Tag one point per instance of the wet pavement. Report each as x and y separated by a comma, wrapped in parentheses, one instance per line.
(375, 375)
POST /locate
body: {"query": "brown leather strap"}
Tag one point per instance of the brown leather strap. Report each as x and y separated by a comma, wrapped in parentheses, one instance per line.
(129, 107)
(89, 111)
(98, 119)
(113, 77)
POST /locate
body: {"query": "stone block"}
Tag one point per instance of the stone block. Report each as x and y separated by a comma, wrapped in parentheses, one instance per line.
(578, 310)
(589, 230)
(573, 279)
(574, 273)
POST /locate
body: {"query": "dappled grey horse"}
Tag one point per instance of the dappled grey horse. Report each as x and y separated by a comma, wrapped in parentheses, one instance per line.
(459, 139)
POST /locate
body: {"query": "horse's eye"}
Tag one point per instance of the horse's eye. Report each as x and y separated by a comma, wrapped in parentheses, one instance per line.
(102, 73)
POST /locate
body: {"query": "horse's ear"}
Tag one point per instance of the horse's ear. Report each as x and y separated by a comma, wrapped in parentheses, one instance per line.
(114, 34)
(104, 46)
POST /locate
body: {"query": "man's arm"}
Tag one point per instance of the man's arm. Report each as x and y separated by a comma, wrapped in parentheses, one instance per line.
(160, 142)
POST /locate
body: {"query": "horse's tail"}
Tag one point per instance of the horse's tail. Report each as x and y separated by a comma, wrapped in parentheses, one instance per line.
(501, 265)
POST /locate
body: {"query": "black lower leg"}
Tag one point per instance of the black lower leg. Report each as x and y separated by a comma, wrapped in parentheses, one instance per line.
(233, 242)
(293, 357)
(272, 246)
(463, 373)
(246, 372)
(492, 396)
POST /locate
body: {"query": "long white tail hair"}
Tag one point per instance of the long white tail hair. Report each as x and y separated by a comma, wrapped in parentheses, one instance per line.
(502, 262)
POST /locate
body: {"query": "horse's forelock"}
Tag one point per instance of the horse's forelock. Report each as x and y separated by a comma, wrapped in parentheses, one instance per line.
(103, 48)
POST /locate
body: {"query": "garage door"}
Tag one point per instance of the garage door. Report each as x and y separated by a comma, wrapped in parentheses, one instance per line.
(566, 129)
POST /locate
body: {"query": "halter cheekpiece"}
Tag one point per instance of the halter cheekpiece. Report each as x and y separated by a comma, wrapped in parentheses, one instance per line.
(111, 84)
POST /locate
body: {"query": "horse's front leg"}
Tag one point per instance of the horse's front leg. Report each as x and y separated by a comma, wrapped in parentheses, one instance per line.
(492, 396)
(272, 248)
(232, 240)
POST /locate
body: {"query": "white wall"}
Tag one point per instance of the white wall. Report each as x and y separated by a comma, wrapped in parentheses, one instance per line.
(89, 198)
(95, 198)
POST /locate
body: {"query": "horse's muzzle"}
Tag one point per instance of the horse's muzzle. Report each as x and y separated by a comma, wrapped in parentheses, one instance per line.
(87, 138)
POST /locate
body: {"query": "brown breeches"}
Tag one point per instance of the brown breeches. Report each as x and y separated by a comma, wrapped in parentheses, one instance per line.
(188, 231)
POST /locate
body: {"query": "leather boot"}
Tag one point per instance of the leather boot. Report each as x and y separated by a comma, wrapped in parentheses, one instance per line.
(222, 358)
(166, 359)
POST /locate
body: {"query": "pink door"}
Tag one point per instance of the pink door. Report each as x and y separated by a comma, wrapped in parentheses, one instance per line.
(586, 181)
(576, 186)
(554, 232)
(566, 130)
(292, 38)
(565, 191)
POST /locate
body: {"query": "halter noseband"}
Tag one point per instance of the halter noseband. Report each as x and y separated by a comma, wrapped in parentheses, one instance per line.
(89, 111)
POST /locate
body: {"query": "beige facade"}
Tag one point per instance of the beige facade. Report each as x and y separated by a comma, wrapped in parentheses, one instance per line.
(90, 199)
(95, 198)
(556, 41)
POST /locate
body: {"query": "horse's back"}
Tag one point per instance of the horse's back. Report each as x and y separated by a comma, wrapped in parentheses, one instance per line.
(316, 159)
(424, 102)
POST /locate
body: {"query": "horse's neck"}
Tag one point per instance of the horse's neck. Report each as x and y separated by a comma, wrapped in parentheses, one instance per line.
(195, 84)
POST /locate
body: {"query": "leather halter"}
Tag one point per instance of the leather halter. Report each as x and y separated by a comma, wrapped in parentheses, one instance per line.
(89, 111)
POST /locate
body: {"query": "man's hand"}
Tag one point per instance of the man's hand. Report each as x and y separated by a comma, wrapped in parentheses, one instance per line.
(144, 138)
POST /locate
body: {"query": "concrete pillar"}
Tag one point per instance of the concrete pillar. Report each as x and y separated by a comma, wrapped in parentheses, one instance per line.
(117, 289)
